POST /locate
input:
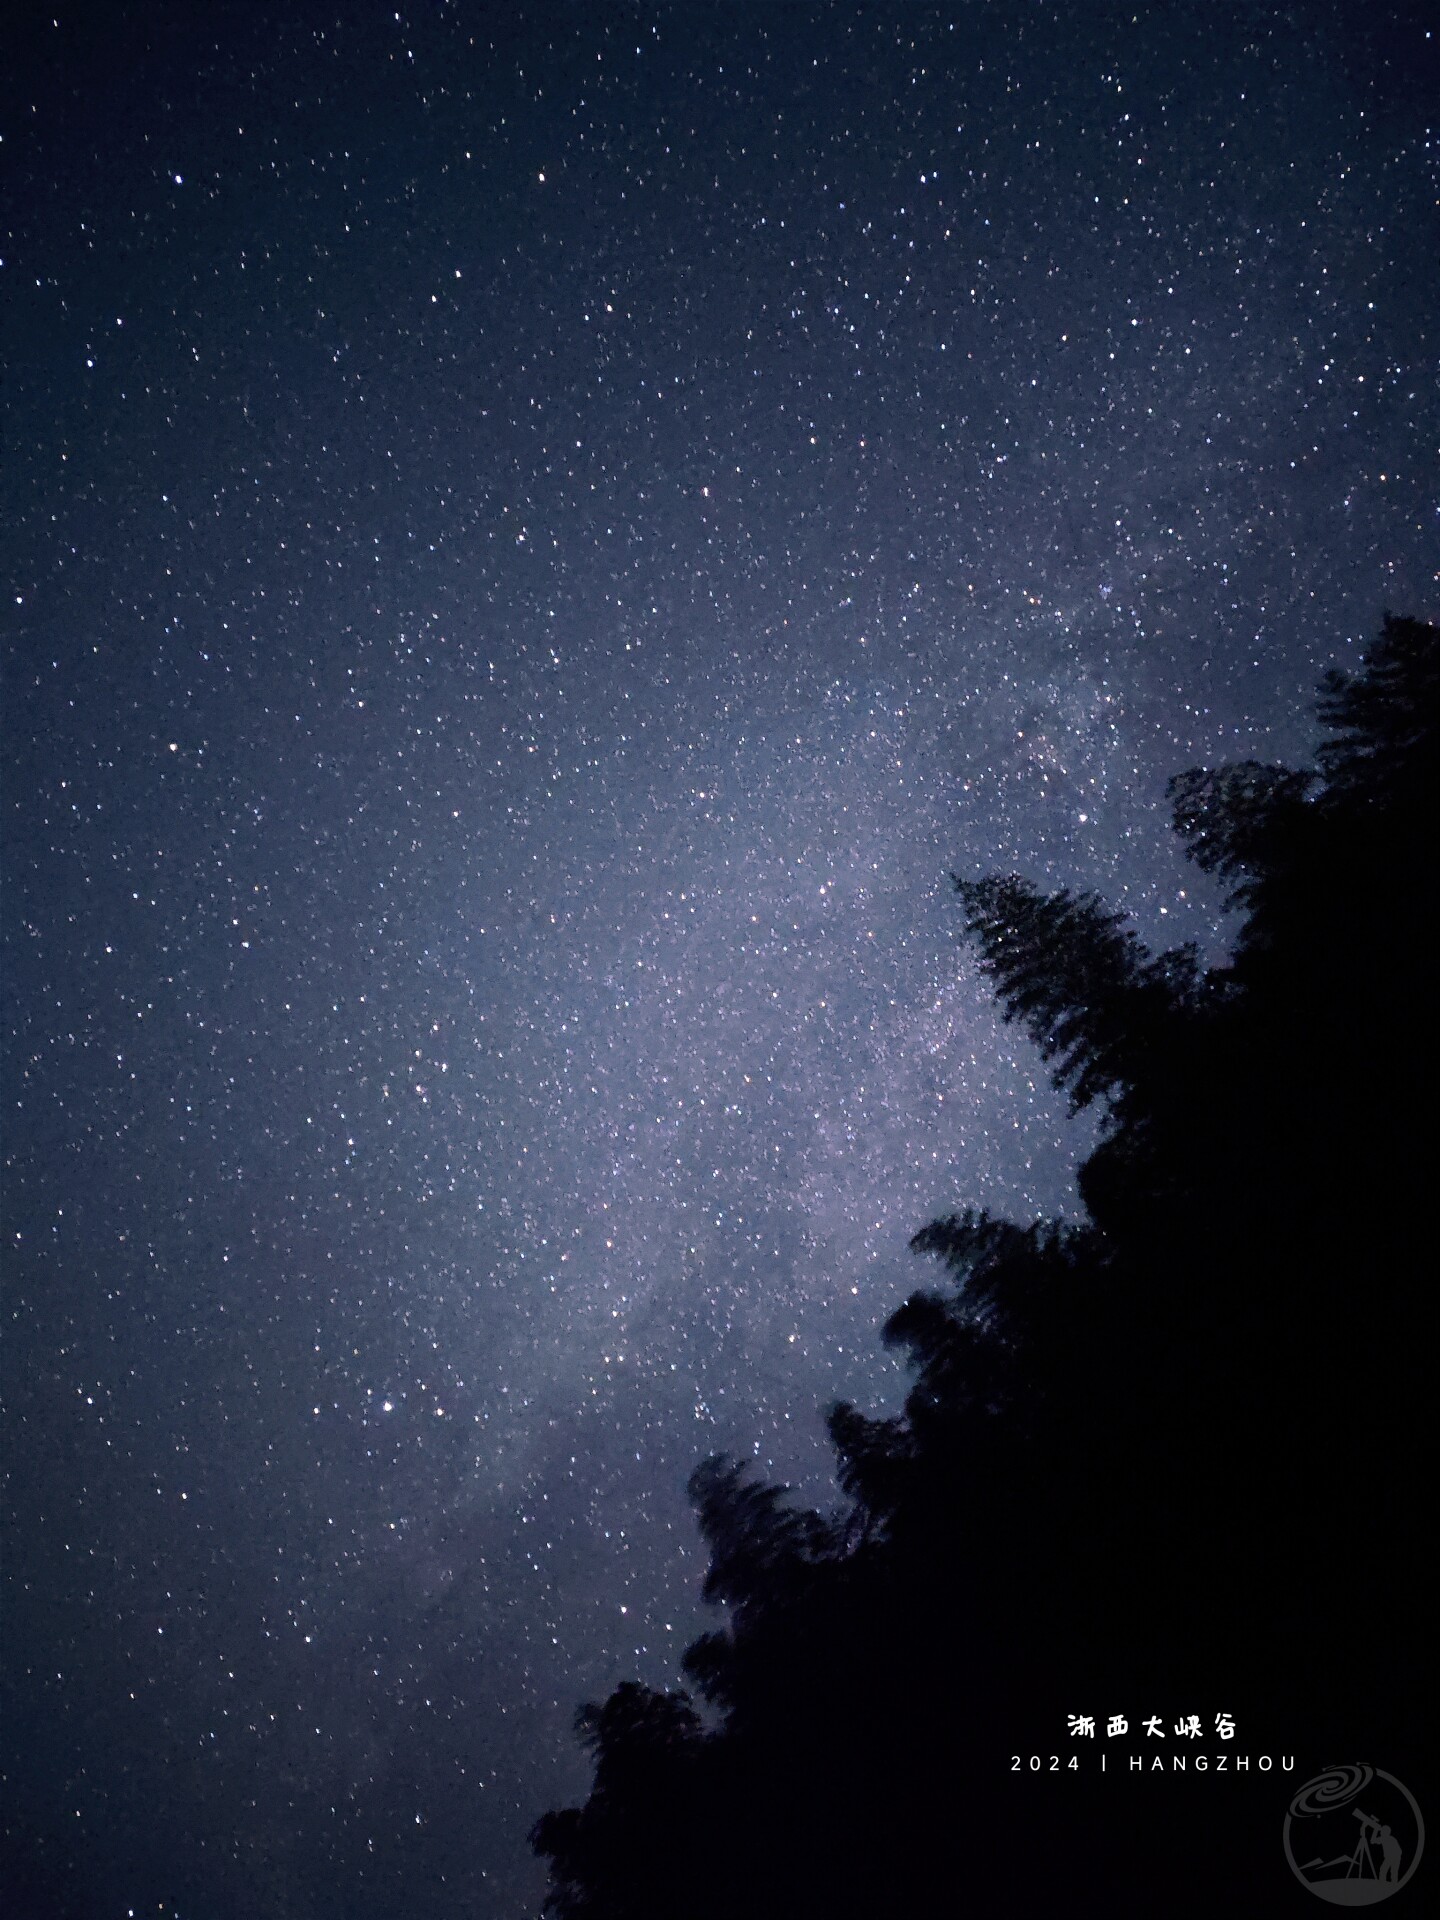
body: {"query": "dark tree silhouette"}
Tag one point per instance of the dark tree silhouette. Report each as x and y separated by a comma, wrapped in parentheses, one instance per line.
(1162, 1461)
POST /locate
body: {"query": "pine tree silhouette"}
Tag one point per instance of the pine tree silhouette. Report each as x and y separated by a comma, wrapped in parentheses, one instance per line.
(1164, 1458)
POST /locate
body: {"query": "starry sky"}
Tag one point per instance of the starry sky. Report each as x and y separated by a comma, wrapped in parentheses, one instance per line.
(535, 541)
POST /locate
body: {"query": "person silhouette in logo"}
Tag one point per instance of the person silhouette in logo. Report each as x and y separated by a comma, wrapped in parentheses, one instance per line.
(1390, 1854)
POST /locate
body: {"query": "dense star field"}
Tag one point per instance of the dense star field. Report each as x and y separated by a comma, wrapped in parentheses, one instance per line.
(535, 542)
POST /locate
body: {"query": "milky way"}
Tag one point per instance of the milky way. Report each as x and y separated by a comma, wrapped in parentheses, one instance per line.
(538, 543)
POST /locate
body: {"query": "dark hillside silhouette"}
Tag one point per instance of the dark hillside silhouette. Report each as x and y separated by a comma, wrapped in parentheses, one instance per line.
(1167, 1462)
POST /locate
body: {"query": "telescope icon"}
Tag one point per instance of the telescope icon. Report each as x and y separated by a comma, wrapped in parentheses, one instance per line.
(1362, 1861)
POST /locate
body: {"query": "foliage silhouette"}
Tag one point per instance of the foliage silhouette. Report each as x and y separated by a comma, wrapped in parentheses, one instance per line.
(1160, 1461)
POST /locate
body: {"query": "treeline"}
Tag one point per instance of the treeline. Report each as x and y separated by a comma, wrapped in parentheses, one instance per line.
(1168, 1461)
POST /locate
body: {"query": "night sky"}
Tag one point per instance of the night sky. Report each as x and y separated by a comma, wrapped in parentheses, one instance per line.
(534, 544)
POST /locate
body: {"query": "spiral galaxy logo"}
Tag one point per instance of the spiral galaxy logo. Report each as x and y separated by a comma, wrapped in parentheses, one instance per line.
(1354, 1835)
